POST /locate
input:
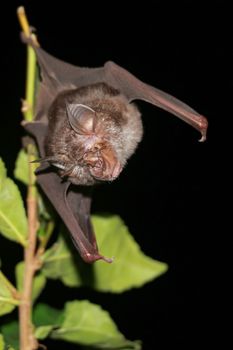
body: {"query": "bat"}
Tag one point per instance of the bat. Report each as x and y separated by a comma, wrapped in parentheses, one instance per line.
(92, 131)
(86, 127)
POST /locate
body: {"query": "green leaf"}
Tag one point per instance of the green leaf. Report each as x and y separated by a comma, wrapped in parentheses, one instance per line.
(88, 324)
(120, 345)
(43, 332)
(7, 295)
(2, 343)
(10, 332)
(38, 282)
(46, 319)
(21, 171)
(2, 172)
(45, 208)
(44, 315)
(59, 263)
(38, 285)
(13, 221)
(130, 268)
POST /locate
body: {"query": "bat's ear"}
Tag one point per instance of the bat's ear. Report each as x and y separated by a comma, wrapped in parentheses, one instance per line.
(82, 118)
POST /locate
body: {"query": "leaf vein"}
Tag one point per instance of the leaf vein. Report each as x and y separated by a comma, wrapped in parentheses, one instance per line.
(17, 233)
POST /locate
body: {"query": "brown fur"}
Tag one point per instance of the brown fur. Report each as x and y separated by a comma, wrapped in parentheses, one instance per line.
(117, 133)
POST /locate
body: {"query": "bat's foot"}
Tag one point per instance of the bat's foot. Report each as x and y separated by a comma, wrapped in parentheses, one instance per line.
(90, 258)
(25, 106)
(30, 39)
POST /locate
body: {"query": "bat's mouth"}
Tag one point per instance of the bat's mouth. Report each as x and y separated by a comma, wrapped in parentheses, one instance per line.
(102, 163)
(107, 171)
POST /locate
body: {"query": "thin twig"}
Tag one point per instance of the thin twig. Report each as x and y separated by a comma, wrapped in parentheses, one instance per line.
(28, 104)
(27, 338)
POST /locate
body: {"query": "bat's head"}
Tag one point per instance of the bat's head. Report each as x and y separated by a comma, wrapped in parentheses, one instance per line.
(89, 155)
(90, 142)
(98, 160)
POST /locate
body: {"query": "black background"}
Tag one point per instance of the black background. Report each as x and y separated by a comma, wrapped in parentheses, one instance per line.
(168, 194)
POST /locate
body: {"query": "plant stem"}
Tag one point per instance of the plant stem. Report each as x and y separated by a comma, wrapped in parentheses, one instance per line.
(27, 338)
(28, 103)
(31, 72)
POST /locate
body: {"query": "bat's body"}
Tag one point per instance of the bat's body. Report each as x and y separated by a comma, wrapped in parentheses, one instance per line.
(86, 127)
(92, 131)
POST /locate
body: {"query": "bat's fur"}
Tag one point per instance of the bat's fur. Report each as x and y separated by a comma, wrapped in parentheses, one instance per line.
(118, 130)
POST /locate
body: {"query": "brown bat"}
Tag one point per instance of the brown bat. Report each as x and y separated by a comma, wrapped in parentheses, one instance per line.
(92, 131)
(86, 127)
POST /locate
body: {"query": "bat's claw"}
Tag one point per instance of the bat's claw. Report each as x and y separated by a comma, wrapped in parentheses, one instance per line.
(90, 258)
(203, 125)
(108, 260)
(25, 106)
(30, 39)
(202, 139)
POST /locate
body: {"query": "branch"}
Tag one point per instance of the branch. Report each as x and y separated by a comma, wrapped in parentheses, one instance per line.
(27, 338)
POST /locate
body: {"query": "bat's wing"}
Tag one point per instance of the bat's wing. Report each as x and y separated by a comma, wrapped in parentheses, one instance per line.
(135, 89)
(73, 206)
(58, 75)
